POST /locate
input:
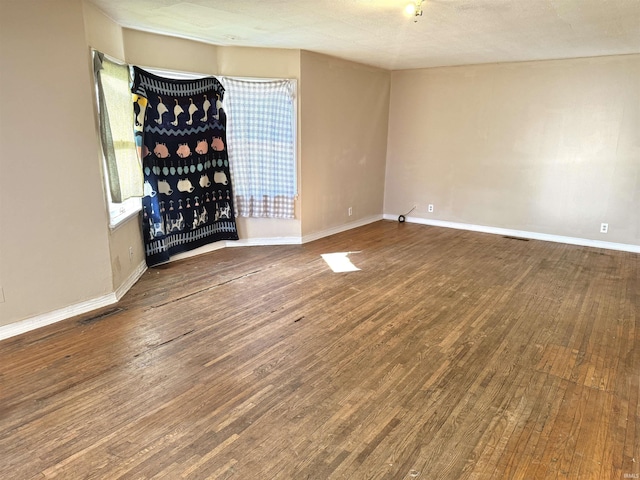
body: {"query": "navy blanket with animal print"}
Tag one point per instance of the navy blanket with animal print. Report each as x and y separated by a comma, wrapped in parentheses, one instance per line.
(181, 131)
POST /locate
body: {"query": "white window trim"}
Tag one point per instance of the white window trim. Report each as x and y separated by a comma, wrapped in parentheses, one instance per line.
(120, 213)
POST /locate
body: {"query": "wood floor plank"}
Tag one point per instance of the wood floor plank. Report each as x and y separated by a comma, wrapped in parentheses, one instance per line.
(448, 355)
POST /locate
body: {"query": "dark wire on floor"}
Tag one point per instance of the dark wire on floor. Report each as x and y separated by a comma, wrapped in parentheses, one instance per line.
(402, 218)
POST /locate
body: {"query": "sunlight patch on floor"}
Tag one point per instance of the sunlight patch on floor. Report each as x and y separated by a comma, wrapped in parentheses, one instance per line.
(339, 262)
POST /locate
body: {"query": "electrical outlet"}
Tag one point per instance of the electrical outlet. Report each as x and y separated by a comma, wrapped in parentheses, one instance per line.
(430, 208)
(604, 228)
(131, 254)
(350, 211)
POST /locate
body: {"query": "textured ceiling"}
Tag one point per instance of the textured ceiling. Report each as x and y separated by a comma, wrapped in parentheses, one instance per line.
(376, 32)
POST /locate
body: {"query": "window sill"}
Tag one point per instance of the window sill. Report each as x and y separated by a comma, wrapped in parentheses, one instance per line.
(116, 223)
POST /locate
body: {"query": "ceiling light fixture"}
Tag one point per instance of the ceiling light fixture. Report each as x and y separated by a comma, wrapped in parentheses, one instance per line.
(414, 9)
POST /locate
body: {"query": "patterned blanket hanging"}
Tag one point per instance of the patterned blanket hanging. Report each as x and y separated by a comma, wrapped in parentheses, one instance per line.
(181, 129)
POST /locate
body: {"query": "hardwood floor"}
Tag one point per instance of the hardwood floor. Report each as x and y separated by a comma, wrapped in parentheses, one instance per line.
(449, 355)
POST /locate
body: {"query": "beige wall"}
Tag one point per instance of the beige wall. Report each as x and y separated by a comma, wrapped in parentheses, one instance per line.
(101, 32)
(54, 236)
(344, 114)
(258, 62)
(105, 35)
(160, 51)
(548, 147)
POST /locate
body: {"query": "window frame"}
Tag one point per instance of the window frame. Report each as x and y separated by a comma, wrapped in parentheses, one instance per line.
(119, 213)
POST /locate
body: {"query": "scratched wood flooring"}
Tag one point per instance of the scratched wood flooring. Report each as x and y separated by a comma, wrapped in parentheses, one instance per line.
(449, 355)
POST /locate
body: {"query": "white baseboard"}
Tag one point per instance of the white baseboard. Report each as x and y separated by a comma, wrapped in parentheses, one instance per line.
(210, 247)
(45, 319)
(29, 324)
(243, 242)
(131, 280)
(341, 228)
(256, 242)
(583, 242)
(23, 326)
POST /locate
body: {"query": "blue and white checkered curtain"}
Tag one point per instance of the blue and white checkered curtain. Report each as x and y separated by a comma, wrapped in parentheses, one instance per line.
(261, 146)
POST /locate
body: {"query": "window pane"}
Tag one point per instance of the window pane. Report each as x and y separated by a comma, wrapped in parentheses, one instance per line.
(116, 124)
